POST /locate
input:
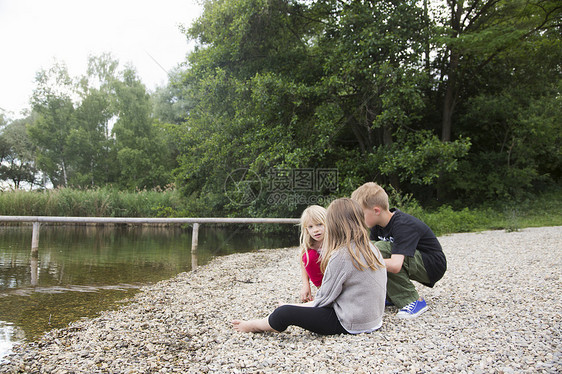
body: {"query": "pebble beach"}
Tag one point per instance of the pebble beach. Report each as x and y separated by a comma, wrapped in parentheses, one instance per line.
(497, 310)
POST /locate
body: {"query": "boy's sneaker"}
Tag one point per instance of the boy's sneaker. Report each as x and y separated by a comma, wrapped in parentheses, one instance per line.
(413, 309)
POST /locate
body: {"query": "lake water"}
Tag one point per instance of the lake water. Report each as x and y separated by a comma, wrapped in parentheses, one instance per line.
(82, 270)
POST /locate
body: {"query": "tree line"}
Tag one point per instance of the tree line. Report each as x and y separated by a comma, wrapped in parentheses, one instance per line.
(454, 102)
(88, 131)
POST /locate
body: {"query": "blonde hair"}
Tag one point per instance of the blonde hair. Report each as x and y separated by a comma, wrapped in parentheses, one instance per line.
(371, 195)
(345, 227)
(314, 214)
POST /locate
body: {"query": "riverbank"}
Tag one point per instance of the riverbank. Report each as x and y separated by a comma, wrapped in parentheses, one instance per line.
(496, 310)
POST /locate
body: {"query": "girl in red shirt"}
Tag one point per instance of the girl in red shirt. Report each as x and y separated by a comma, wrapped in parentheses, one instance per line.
(312, 223)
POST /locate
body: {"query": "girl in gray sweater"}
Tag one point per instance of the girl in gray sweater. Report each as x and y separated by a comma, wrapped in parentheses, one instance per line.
(351, 298)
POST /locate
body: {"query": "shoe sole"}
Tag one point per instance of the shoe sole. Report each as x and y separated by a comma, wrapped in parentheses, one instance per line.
(411, 316)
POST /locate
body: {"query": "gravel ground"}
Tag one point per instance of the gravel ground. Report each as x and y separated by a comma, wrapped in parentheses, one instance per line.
(497, 310)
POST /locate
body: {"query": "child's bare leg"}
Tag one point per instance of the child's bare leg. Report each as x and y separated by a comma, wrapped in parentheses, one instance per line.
(254, 325)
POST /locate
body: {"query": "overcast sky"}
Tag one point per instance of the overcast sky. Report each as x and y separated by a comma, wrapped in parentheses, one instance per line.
(36, 33)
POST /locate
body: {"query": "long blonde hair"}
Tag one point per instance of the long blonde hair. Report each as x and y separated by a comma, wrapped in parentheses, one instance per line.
(314, 214)
(346, 228)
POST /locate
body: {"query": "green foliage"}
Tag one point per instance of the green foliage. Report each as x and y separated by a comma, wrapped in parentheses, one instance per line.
(450, 106)
(420, 157)
(16, 155)
(141, 152)
(101, 202)
(99, 129)
(248, 112)
(517, 132)
(276, 85)
(89, 141)
(446, 220)
(53, 107)
(501, 59)
(169, 106)
(543, 210)
(349, 100)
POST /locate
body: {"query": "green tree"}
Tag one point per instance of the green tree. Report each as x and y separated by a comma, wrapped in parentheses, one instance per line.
(399, 92)
(4, 146)
(17, 158)
(144, 159)
(168, 102)
(279, 85)
(501, 58)
(98, 129)
(91, 142)
(52, 103)
(375, 74)
(477, 32)
(252, 89)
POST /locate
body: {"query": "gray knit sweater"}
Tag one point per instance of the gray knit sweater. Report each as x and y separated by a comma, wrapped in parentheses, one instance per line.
(356, 296)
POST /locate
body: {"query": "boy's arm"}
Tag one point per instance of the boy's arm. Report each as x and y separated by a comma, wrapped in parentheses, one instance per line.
(394, 263)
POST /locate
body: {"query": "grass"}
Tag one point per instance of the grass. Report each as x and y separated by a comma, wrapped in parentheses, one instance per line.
(544, 210)
(102, 202)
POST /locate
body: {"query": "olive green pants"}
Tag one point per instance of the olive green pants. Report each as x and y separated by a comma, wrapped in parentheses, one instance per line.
(399, 287)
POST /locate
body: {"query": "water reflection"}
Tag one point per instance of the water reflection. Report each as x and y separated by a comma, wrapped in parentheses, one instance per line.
(89, 256)
(81, 270)
(34, 265)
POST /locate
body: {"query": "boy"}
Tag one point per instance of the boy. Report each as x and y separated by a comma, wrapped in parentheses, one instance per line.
(409, 247)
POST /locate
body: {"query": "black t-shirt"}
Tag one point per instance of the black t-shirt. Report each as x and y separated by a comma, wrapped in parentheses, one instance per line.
(406, 233)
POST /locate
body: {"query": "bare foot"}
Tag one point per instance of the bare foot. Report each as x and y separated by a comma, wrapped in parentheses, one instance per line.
(254, 325)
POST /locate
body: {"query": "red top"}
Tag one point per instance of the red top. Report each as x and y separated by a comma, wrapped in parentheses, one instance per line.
(313, 266)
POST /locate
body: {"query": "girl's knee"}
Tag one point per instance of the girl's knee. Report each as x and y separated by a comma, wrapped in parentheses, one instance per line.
(278, 320)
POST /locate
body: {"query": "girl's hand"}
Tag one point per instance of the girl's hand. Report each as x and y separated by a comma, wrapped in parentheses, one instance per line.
(306, 294)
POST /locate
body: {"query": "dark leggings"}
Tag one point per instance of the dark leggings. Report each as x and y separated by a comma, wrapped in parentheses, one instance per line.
(322, 321)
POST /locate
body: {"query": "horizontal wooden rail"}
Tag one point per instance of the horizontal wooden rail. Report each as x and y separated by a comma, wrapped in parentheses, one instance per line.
(134, 220)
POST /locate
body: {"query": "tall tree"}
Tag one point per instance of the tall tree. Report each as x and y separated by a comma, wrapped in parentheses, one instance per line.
(375, 73)
(251, 85)
(52, 101)
(142, 154)
(91, 141)
(477, 32)
(494, 61)
(279, 85)
(90, 144)
(4, 146)
(169, 104)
